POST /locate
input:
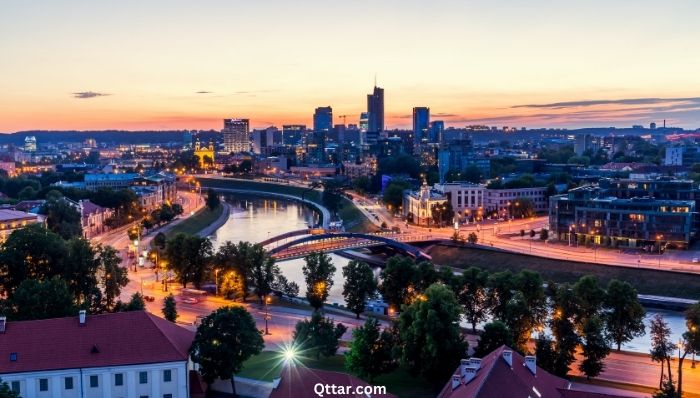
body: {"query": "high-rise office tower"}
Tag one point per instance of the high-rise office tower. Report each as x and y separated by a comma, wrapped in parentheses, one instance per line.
(421, 124)
(375, 114)
(292, 133)
(437, 128)
(323, 119)
(236, 134)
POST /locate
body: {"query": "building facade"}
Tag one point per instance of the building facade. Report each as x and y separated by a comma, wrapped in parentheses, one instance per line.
(500, 199)
(12, 220)
(421, 126)
(418, 205)
(375, 115)
(589, 215)
(236, 134)
(115, 355)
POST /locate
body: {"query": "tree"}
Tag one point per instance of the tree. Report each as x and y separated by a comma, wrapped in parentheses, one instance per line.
(6, 391)
(224, 340)
(472, 295)
(472, 238)
(35, 299)
(442, 213)
(160, 240)
(398, 281)
(286, 287)
(624, 314)
(661, 346)
(80, 270)
(393, 194)
(213, 200)
(319, 335)
(431, 342)
(61, 217)
(595, 347)
(170, 308)
(235, 258)
(545, 353)
(136, 303)
(318, 273)
(522, 233)
(113, 276)
(501, 285)
(667, 390)
(544, 234)
(370, 353)
(189, 256)
(589, 298)
(495, 334)
(532, 233)
(563, 327)
(263, 271)
(359, 285)
(691, 340)
(425, 275)
(530, 284)
(331, 195)
(522, 208)
(31, 253)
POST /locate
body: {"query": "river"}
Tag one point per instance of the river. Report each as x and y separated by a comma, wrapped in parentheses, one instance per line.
(255, 219)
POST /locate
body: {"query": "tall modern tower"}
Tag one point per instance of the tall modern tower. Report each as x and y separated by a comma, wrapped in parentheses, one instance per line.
(323, 119)
(437, 128)
(421, 125)
(375, 113)
(236, 134)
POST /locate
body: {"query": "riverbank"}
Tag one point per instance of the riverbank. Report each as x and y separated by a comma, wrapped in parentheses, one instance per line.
(353, 219)
(646, 281)
(200, 221)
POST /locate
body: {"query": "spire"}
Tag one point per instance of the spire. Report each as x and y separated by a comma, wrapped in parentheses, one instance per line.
(375, 79)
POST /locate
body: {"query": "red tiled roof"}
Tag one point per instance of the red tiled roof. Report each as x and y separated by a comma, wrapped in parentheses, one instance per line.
(496, 379)
(299, 382)
(124, 338)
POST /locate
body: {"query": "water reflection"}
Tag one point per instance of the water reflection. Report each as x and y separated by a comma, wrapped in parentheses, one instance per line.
(256, 219)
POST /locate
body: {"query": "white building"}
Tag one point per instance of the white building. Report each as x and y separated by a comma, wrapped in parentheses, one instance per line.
(500, 199)
(236, 135)
(465, 197)
(116, 355)
(418, 205)
(12, 220)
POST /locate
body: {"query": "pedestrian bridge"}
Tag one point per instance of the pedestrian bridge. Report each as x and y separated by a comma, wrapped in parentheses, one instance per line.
(338, 241)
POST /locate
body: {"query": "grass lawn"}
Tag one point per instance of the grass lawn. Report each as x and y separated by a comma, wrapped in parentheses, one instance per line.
(646, 281)
(353, 218)
(268, 365)
(196, 222)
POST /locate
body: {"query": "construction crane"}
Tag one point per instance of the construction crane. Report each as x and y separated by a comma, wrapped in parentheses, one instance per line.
(344, 119)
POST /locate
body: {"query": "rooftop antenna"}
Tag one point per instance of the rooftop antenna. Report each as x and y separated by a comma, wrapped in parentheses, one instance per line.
(375, 80)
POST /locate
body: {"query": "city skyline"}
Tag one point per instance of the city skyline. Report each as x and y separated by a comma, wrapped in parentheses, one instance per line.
(135, 66)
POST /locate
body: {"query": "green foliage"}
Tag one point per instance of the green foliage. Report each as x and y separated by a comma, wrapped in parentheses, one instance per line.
(6, 391)
(472, 295)
(398, 281)
(431, 341)
(61, 217)
(35, 299)
(223, 342)
(495, 334)
(319, 335)
(331, 198)
(370, 353)
(212, 200)
(442, 213)
(114, 276)
(359, 285)
(393, 194)
(662, 347)
(501, 286)
(595, 348)
(170, 308)
(563, 327)
(668, 390)
(189, 256)
(624, 314)
(472, 238)
(545, 353)
(135, 304)
(318, 272)
(589, 297)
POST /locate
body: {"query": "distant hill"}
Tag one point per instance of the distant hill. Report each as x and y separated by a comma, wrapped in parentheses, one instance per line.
(108, 136)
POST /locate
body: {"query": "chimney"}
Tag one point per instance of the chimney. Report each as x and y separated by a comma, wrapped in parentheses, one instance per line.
(456, 381)
(475, 363)
(81, 316)
(469, 374)
(463, 365)
(3, 323)
(508, 357)
(531, 363)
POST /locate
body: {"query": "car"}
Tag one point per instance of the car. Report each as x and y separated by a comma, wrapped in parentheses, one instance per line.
(190, 300)
(150, 299)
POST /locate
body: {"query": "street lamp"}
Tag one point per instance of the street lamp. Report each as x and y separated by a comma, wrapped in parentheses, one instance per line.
(267, 314)
(216, 281)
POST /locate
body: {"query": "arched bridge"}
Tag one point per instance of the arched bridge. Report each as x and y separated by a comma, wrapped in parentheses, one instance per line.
(331, 242)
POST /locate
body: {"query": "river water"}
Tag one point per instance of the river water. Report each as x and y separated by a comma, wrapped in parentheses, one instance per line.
(255, 219)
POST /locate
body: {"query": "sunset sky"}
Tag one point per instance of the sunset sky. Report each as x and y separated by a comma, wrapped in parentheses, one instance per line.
(151, 64)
